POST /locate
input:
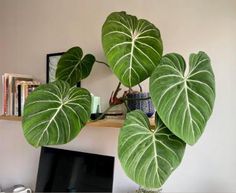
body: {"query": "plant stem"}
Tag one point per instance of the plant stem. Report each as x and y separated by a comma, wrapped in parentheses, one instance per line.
(130, 90)
(126, 106)
(101, 116)
(140, 88)
(102, 62)
(114, 99)
(117, 90)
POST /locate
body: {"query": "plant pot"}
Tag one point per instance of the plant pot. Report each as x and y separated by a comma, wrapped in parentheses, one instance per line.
(137, 100)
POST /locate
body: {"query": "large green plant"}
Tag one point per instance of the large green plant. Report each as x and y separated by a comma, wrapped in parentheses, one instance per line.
(183, 97)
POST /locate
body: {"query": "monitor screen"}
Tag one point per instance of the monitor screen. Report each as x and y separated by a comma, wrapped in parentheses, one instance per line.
(71, 171)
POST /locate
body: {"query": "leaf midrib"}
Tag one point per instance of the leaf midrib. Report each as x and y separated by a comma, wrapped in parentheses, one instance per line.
(155, 155)
(49, 123)
(73, 70)
(131, 59)
(188, 106)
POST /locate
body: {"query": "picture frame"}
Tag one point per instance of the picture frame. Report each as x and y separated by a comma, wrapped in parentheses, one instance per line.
(51, 66)
(52, 61)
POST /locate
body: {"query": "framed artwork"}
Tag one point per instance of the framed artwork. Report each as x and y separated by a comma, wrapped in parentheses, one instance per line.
(52, 61)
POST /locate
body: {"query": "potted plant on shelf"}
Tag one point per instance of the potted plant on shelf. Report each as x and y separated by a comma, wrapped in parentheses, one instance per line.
(183, 98)
(139, 100)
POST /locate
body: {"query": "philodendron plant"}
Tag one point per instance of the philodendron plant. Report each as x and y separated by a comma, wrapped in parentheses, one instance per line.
(183, 97)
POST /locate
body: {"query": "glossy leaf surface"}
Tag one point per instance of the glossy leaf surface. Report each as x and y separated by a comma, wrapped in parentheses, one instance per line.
(148, 156)
(73, 67)
(133, 47)
(55, 113)
(184, 101)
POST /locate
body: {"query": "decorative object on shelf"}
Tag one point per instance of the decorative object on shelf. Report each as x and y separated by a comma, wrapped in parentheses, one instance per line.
(182, 95)
(95, 107)
(95, 104)
(52, 61)
(141, 101)
(132, 100)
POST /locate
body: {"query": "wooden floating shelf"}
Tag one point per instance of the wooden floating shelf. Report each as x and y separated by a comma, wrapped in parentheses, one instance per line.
(10, 118)
(109, 123)
(115, 123)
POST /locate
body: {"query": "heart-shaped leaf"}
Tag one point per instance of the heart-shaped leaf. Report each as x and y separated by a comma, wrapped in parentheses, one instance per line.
(133, 47)
(184, 101)
(55, 113)
(72, 68)
(148, 155)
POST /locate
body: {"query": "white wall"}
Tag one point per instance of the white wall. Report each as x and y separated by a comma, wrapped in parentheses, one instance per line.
(19, 161)
(29, 29)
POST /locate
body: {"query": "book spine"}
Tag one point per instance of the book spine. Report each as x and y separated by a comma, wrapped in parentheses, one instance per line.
(6, 95)
(13, 96)
(22, 98)
(10, 107)
(24, 94)
(19, 99)
(16, 104)
(3, 95)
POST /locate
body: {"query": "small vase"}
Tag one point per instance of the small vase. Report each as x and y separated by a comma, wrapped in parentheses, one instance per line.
(146, 190)
(135, 101)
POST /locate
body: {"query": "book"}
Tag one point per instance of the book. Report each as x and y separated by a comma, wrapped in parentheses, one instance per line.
(24, 88)
(4, 95)
(15, 82)
(10, 90)
(19, 100)
(14, 89)
(5, 88)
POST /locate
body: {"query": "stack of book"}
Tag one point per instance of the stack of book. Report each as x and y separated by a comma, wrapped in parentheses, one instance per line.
(16, 88)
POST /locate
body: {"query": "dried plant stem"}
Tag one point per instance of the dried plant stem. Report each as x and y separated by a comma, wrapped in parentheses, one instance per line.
(101, 62)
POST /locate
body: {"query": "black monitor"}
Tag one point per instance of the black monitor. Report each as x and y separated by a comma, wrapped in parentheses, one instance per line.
(71, 171)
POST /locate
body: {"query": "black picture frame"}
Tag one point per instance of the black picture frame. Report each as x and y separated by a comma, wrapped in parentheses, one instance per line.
(52, 60)
(51, 64)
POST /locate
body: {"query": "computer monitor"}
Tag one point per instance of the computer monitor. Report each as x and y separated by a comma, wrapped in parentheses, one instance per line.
(70, 171)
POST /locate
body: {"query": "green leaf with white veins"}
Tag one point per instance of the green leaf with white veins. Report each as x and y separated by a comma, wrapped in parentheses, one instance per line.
(184, 100)
(133, 47)
(73, 67)
(148, 155)
(55, 113)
